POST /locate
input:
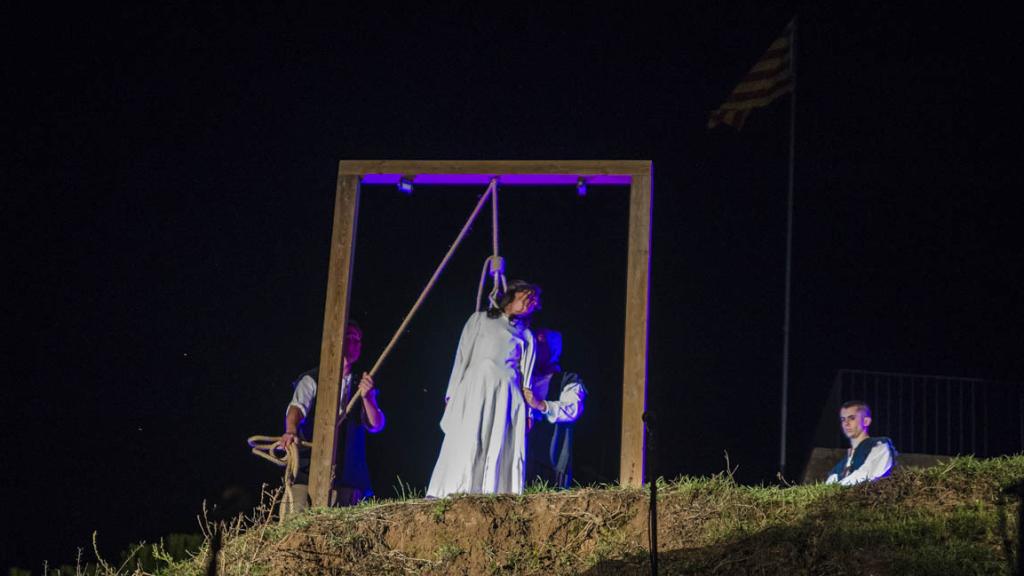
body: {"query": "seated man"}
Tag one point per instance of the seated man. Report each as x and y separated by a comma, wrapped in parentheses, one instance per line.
(867, 458)
(549, 443)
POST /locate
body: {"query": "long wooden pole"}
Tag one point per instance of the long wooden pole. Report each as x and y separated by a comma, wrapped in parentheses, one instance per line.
(426, 290)
(789, 257)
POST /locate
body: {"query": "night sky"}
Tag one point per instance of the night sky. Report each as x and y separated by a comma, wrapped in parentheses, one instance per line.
(169, 176)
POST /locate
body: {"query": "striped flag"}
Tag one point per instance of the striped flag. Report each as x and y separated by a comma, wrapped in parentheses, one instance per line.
(770, 78)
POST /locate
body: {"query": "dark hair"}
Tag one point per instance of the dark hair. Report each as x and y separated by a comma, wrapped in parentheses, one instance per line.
(353, 324)
(858, 404)
(514, 287)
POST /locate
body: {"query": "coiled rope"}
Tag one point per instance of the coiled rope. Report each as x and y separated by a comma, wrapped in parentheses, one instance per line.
(268, 447)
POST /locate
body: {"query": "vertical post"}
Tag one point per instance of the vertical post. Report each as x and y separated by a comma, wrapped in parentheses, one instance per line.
(339, 282)
(834, 409)
(1020, 417)
(789, 255)
(960, 414)
(984, 426)
(938, 410)
(634, 378)
(974, 420)
(888, 408)
(949, 417)
(926, 409)
(913, 428)
(900, 401)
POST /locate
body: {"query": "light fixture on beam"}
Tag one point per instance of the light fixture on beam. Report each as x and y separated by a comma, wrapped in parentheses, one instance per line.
(404, 185)
(581, 187)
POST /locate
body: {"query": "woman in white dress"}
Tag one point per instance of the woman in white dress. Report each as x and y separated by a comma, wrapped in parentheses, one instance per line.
(484, 422)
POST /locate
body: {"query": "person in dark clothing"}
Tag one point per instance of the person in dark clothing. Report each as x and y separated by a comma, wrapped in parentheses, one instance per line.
(352, 479)
(549, 444)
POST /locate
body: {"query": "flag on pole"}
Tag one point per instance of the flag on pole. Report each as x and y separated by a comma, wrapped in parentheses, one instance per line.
(771, 77)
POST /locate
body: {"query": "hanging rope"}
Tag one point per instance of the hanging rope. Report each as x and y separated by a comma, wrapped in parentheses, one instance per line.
(495, 264)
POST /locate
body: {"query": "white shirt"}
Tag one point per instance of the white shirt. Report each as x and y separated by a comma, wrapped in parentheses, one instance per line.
(305, 394)
(569, 405)
(876, 465)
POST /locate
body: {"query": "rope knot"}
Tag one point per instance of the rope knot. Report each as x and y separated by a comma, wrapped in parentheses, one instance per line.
(496, 264)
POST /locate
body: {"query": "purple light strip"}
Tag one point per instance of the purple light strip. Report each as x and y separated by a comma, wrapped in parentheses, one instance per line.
(504, 179)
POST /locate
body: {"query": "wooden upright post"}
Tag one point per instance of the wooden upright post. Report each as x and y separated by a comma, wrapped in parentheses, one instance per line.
(339, 280)
(634, 374)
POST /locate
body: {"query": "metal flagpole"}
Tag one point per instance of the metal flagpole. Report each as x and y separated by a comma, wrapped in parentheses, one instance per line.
(789, 252)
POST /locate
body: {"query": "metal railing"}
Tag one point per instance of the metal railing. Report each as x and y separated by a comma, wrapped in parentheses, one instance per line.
(930, 414)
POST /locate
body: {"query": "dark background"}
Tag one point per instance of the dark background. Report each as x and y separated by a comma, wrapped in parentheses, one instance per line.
(168, 184)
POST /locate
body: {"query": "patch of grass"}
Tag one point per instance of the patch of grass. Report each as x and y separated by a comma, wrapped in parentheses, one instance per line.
(440, 507)
(947, 520)
(951, 519)
(447, 552)
(405, 491)
(539, 486)
(519, 560)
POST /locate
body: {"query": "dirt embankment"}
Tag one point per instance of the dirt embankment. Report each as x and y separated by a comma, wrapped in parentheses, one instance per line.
(953, 520)
(554, 533)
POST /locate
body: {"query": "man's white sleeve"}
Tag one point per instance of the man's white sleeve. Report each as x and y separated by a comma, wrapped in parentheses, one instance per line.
(305, 393)
(878, 462)
(569, 405)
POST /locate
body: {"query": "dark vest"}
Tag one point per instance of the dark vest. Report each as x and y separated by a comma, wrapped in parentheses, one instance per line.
(860, 454)
(352, 469)
(549, 446)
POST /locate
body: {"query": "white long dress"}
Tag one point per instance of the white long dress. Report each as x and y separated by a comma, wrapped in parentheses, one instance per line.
(484, 422)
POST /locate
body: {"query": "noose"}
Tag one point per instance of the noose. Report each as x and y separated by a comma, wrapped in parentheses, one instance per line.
(495, 264)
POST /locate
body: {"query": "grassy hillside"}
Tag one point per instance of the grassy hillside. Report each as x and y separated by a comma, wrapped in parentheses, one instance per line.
(951, 519)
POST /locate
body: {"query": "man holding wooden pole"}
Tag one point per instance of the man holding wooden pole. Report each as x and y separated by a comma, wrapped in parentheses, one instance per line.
(352, 480)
